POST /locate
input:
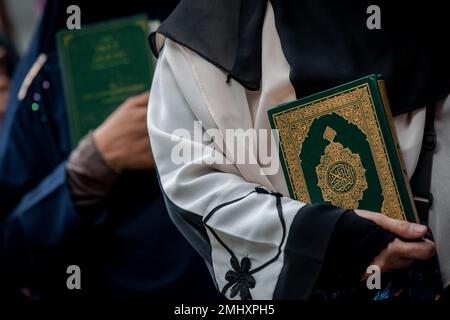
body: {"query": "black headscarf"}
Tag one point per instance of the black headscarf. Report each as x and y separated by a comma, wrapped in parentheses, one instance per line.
(326, 43)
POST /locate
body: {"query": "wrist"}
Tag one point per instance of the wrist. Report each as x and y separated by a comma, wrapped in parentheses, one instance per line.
(89, 177)
(106, 147)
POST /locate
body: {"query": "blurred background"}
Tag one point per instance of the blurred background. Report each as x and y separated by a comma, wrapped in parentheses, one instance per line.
(18, 20)
(66, 204)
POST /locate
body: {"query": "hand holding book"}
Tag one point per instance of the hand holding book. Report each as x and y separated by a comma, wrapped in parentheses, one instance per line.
(409, 245)
(123, 137)
(339, 147)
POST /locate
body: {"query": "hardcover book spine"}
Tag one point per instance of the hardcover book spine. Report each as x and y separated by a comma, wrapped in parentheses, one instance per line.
(384, 98)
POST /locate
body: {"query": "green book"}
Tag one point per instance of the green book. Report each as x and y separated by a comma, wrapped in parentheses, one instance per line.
(102, 65)
(339, 147)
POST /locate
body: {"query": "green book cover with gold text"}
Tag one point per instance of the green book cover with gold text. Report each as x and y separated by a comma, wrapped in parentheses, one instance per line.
(339, 147)
(102, 65)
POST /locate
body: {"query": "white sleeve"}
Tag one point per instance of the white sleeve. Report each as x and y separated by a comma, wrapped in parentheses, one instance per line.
(250, 238)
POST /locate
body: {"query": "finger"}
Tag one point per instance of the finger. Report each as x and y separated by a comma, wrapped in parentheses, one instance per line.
(396, 264)
(139, 100)
(401, 228)
(139, 115)
(422, 250)
(387, 262)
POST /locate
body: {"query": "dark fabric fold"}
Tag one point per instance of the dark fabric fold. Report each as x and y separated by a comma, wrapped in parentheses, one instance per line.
(227, 34)
(305, 250)
(326, 44)
(328, 248)
(354, 244)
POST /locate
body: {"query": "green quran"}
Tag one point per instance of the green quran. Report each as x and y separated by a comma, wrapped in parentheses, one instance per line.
(339, 147)
(102, 65)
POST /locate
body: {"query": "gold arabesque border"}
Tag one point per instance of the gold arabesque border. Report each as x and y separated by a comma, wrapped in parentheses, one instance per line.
(356, 106)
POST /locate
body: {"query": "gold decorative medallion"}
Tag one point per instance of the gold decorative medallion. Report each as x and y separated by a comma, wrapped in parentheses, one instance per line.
(341, 175)
(356, 106)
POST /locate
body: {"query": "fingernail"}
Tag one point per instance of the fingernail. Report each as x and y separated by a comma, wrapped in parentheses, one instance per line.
(418, 228)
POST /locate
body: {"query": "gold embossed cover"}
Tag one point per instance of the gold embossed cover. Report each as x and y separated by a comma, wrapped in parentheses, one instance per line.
(339, 147)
